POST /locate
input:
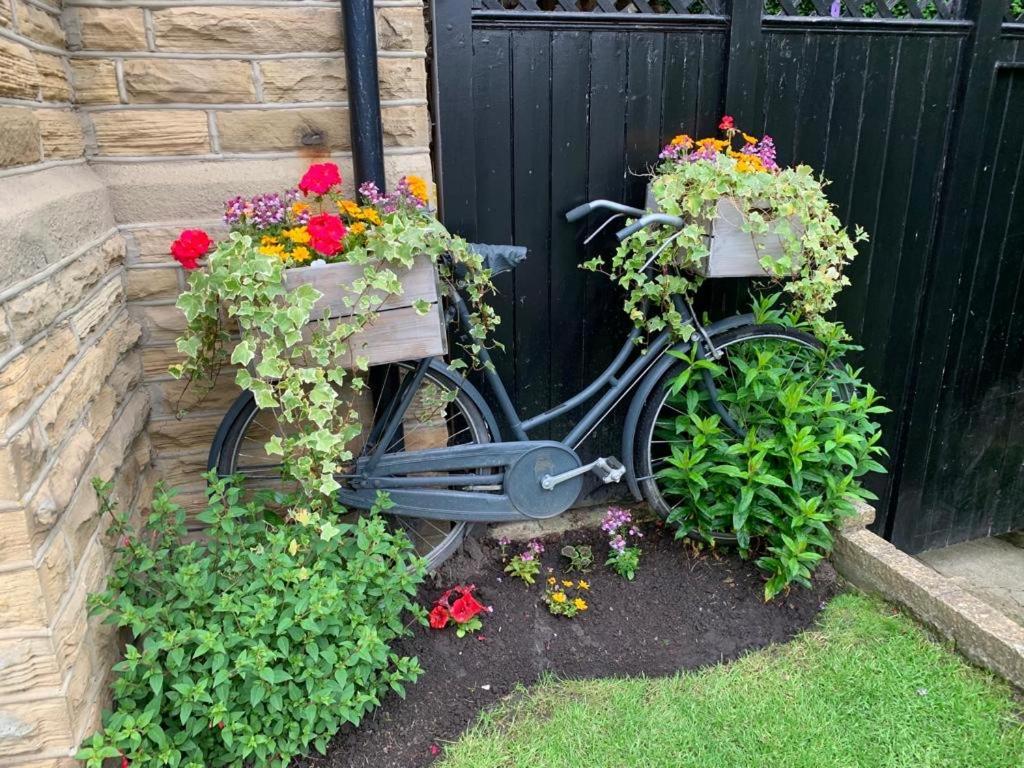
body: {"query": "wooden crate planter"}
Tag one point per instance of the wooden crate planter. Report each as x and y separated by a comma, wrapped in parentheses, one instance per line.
(731, 251)
(398, 332)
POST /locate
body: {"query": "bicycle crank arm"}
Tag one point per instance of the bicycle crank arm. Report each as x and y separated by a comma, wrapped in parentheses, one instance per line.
(610, 470)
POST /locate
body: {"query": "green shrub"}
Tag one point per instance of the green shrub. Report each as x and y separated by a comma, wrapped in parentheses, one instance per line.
(810, 437)
(255, 641)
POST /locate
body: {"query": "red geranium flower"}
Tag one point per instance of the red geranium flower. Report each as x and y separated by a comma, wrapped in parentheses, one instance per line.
(726, 124)
(319, 178)
(325, 233)
(191, 245)
(439, 617)
(465, 608)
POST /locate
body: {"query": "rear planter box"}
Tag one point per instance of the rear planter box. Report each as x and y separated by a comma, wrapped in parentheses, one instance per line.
(398, 332)
(731, 251)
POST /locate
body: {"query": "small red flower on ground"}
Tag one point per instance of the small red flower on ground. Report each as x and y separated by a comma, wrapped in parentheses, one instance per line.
(465, 608)
(439, 617)
(319, 178)
(124, 761)
(726, 124)
(191, 245)
(325, 233)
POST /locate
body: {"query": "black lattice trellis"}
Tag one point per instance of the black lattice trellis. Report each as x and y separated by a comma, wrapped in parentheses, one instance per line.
(860, 9)
(698, 7)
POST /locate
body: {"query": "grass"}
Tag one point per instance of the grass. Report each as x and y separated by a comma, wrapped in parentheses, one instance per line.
(866, 688)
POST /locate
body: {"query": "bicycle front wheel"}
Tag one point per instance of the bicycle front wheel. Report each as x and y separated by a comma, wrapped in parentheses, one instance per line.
(667, 424)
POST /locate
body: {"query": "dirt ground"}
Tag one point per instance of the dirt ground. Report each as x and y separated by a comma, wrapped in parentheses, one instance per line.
(683, 611)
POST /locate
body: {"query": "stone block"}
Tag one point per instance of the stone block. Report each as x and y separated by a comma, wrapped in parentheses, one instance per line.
(80, 519)
(243, 30)
(182, 469)
(65, 475)
(29, 666)
(162, 81)
(195, 190)
(19, 78)
(21, 604)
(20, 130)
(37, 24)
(6, 18)
(32, 727)
(53, 82)
(162, 322)
(169, 396)
(401, 29)
(108, 299)
(190, 433)
(55, 571)
(24, 377)
(112, 29)
(406, 126)
(403, 78)
(15, 544)
(47, 215)
(151, 283)
(61, 133)
(283, 129)
(170, 132)
(95, 81)
(21, 461)
(304, 80)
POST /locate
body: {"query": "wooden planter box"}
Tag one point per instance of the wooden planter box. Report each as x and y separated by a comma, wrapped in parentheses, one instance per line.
(398, 332)
(731, 251)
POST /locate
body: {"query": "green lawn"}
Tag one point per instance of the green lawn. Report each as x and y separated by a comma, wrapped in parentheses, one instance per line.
(866, 688)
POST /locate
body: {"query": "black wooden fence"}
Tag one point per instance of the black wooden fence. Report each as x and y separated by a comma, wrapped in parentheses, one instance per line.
(919, 123)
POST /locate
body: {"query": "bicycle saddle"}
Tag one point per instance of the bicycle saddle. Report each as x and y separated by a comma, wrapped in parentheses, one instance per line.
(499, 258)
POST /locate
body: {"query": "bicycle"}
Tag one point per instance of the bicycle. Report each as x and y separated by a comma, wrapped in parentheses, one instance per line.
(436, 447)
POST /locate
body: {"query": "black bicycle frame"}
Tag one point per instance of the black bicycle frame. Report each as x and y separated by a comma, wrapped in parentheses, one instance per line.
(617, 380)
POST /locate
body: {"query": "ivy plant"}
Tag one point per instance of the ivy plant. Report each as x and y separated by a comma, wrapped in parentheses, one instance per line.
(258, 640)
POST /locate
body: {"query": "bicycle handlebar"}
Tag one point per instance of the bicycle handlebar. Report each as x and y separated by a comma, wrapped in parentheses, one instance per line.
(580, 211)
(646, 221)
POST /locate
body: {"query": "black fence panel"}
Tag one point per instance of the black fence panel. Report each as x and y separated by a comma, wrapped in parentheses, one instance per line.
(918, 122)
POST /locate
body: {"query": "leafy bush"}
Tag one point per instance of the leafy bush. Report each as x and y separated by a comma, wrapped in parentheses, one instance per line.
(810, 437)
(256, 641)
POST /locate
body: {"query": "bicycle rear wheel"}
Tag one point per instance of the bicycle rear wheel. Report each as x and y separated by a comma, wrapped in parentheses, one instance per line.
(665, 423)
(441, 415)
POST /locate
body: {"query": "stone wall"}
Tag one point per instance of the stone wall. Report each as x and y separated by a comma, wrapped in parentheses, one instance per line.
(122, 122)
(71, 402)
(187, 106)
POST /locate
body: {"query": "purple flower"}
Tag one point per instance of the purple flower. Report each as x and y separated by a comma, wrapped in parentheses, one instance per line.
(371, 193)
(526, 555)
(234, 210)
(618, 543)
(504, 541)
(835, 9)
(536, 546)
(615, 518)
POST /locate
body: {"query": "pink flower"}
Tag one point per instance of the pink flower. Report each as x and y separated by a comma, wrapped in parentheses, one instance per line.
(325, 233)
(319, 178)
(191, 245)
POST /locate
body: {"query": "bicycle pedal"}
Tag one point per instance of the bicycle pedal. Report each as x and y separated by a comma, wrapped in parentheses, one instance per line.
(609, 469)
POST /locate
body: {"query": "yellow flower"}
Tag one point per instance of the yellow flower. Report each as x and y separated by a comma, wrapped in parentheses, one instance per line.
(357, 229)
(749, 139)
(580, 603)
(298, 208)
(301, 253)
(297, 235)
(272, 250)
(566, 583)
(268, 240)
(682, 140)
(558, 597)
(418, 187)
(369, 213)
(302, 517)
(749, 164)
(583, 584)
(351, 207)
(552, 580)
(293, 547)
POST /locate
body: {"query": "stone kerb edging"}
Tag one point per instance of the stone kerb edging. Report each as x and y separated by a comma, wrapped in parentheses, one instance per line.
(979, 632)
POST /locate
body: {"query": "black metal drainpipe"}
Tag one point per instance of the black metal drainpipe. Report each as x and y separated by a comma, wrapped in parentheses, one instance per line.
(363, 91)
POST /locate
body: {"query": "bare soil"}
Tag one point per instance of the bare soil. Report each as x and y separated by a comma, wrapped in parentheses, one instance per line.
(683, 611)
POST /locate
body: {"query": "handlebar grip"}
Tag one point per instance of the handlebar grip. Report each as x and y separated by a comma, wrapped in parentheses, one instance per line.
(579, 212)
(646, 221)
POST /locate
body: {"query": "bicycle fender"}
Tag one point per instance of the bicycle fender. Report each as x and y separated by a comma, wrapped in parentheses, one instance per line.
(643, 393)
(242, 401)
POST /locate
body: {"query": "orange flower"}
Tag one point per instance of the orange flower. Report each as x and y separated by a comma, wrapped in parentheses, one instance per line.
(418, 187)
(369, 213)
(301, 253)
(682, 140)
(349, 207)
(357, 229)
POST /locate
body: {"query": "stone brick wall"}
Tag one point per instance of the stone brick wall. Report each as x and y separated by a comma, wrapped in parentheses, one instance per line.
(186, 105)
(71, 402)
(121, 122)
